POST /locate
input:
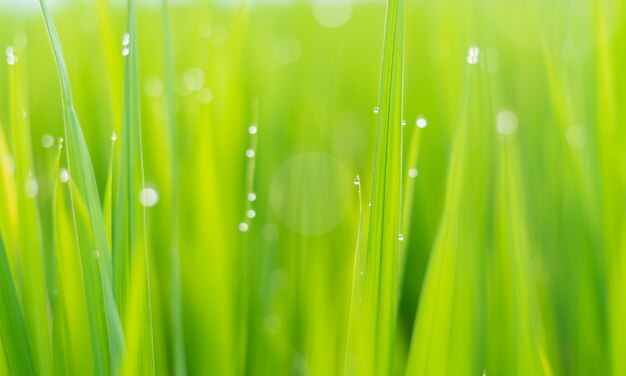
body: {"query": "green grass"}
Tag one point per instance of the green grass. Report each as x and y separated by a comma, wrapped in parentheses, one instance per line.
(488, 242)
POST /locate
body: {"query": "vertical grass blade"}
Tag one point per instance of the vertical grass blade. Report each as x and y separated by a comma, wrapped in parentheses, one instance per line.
(176, 303)
(129, 237)
(371, 337)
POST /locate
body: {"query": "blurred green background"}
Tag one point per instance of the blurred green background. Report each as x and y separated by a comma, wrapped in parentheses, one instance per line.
(533, 234)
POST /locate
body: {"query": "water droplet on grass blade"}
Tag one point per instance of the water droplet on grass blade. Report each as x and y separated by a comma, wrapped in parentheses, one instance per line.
(125, 51)
(413, 172)
(11, 59)
(250, 214)
(251, 196)
(421, 122)
(64, 175)
(148, 197)
(403, 122)
(126, 39)
(243, 227)
(376, 110)
(252, 129)
(400, 237)
(357, 180)
(250, 153)
(472, 55)
(114, 136)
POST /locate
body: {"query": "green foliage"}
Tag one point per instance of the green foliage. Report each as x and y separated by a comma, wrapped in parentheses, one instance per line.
(180, 200)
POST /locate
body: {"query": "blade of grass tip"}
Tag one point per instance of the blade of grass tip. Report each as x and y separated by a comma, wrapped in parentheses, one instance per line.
(129, 231)
(107, 341)
(176, 303)
(30, 246)
(371, 340)
(15, 342)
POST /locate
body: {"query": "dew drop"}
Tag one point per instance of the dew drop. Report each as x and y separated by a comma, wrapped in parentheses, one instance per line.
(421, 122)
(403, 123)
(400, 237)
(126, 39)
(357, 180)
(472, 59)
(60, 140)
(251, 196)
(252, 129)
(47, 141)
(506, 122)
(473, 51)
(243, 227)
(250, 153)
(251, 214)
(376, 110)
(11, 59)
(125, 51)
(148, 197)
(64, 175)
(114, 136)
(369, 204)
(413, 173)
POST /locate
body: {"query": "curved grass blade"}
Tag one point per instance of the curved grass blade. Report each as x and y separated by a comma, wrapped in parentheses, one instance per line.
(105, 329)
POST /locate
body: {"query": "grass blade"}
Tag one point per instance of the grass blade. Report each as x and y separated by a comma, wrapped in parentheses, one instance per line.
(371, 339)
(105, 330)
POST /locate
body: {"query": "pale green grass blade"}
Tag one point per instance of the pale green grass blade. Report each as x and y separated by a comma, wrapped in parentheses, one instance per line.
(371, 337)
(105, 330)
(15, 342)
